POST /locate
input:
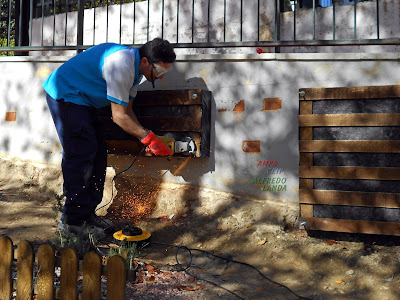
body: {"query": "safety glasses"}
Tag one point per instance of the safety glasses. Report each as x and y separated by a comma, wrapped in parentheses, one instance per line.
(159, 70)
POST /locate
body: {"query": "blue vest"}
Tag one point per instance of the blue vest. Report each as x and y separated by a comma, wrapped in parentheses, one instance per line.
(103, 73)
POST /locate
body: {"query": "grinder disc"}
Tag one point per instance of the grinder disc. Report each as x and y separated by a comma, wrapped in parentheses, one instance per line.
(132, 234)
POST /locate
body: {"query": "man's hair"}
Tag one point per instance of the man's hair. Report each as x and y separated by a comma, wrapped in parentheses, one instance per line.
(158, 50)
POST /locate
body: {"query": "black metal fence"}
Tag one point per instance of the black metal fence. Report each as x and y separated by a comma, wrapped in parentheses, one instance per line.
(17, 17)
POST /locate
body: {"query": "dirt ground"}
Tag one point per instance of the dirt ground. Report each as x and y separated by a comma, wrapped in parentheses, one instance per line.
(220, 261)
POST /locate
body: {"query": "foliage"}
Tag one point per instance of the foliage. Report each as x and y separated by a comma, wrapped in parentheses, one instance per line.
(3, 43)
(58, 205)
(8, 17)
(80, 243)
(128, 251)
(7, 28)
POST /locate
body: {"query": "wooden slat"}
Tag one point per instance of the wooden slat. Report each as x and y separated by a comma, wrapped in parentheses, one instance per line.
(305, 107)
(307, 211)
(171, 123)
(359, 92)
(116, 278)
(175, 97)
(379, 119)
(156, 123)
(305, 133)
(350, 146)
(306, 183)
(6, 259)
(354, 226)
(306, 159)
(168, 110)
(350, 173)
(45, 276)
(124, 147)
(91, 276)
(386, 200)
(25, 271)
(68, 280)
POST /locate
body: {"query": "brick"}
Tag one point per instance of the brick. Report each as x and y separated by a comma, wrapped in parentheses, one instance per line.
(271, 104)
(11, 116)
(251, 146)
(239, 106)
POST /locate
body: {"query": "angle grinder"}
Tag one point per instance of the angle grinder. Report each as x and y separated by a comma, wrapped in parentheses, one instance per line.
(184, 146)
(132, 234)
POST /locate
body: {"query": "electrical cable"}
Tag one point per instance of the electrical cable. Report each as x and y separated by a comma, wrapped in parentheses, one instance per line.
(216, 285)
(227, 260)
(201, 279)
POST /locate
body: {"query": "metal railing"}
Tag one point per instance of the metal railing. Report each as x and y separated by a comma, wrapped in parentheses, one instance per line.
(18, 18)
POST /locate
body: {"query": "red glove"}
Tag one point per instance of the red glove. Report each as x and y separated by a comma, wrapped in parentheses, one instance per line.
(156, 146)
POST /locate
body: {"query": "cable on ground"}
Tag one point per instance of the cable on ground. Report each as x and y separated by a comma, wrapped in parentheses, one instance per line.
(227, 259)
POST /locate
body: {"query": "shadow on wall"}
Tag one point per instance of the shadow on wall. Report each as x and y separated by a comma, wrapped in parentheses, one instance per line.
(189, 192)
(143, 188)
(29, 134)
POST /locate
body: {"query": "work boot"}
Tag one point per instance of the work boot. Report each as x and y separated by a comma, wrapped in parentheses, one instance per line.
(85, 229)
(104, 224)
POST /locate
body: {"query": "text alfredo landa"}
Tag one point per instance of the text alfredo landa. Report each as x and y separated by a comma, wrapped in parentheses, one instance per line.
(273, 184)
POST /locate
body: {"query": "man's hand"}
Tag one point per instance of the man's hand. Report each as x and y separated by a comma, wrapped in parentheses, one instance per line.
(156, 145)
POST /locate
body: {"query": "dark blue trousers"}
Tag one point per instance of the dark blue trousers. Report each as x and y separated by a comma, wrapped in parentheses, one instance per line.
(84, 160)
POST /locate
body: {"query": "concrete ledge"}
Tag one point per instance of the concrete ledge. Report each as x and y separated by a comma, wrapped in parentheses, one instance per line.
(290, 57)
(54, 59)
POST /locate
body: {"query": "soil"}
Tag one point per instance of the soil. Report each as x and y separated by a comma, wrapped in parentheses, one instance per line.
(193, 257)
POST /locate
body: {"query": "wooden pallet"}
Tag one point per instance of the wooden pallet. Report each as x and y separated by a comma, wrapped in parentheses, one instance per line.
(310, 197)
(179, 113)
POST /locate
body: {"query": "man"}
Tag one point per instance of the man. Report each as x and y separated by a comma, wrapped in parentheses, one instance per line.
(106, 74)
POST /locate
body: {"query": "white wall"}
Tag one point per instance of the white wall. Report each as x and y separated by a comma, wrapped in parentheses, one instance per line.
(230, 78)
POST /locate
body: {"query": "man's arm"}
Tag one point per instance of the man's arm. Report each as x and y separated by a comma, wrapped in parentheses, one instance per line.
(125, 118)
